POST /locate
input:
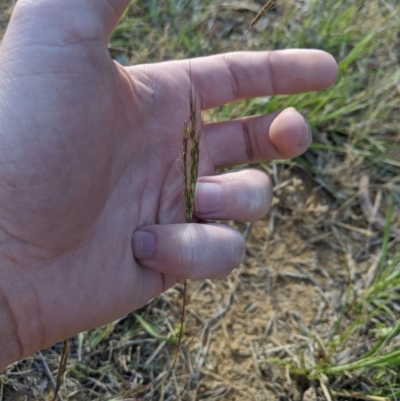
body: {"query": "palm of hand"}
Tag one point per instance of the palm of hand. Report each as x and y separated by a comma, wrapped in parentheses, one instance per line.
(85, 172)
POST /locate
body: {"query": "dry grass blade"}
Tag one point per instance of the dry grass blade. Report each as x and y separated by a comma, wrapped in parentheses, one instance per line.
(63, 367)
(268, 5)
(361, 396)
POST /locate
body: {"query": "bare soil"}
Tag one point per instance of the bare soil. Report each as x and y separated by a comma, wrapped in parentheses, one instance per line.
(290, 285)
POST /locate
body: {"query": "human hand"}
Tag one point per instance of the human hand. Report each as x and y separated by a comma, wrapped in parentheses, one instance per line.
(92, 210)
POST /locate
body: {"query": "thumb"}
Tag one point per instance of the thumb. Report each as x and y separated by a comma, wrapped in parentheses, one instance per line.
(78, 20)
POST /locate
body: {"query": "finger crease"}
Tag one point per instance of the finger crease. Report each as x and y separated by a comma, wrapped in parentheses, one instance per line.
(270, 74)
(234, 81)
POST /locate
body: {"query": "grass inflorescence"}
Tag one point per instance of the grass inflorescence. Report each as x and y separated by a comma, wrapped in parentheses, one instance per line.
(192, 131)
(191, 155)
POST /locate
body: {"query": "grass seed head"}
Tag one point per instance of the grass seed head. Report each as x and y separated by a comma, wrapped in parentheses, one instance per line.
(191, 156)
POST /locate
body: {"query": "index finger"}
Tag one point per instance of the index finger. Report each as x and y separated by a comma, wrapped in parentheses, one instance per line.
(234, 76)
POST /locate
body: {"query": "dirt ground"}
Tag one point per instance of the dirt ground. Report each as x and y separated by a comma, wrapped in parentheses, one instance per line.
(291, 284)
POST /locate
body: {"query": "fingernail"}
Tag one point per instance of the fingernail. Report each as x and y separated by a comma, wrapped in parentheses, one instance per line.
(307, 134)
(210, 197)
(143, 245)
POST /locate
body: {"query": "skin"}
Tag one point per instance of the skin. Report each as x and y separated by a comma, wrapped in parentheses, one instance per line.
(89, 161)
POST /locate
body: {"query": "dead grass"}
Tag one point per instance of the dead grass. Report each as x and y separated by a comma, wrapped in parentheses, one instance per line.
(313, 311)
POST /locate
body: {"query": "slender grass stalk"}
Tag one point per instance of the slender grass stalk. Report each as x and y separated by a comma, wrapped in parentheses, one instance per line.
(190, 163)
(62, 368)
(268, 5)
